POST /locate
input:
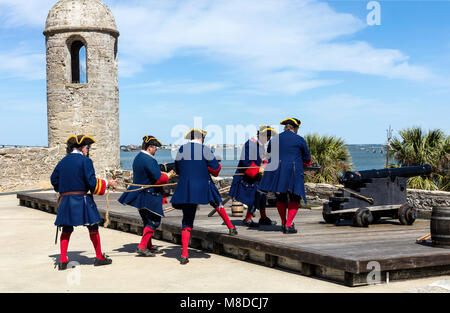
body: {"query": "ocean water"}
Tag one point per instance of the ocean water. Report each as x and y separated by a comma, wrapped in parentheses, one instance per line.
(368, 157)
(363, 157)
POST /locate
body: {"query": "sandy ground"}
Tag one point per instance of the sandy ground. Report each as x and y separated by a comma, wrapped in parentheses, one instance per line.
(28, 254)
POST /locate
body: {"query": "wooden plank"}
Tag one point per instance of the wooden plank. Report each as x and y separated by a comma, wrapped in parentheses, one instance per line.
(337, 252)
(371, 208)
(347, 239)
(271, 260)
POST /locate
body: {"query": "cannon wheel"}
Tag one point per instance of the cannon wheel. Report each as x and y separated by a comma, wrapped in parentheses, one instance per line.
(330, 218)
(362, 218)
(407, 214)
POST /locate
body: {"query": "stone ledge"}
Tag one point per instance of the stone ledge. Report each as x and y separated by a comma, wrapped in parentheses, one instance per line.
(72, 29)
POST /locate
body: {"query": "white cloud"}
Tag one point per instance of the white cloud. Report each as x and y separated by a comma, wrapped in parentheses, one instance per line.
(287, 82)
(179, 88)
(22, 64)
(277, 46)
(23, 106)
(352, 110)
(285, 41)
(25, 12)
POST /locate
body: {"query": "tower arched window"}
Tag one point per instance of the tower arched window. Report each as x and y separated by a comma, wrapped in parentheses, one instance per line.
(78, 55)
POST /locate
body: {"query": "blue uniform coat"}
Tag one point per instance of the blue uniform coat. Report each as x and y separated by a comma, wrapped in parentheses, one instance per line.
(243, 187)
(195, 185)
(75, 172)
(146, 171)
(284, 172)
(215, 196)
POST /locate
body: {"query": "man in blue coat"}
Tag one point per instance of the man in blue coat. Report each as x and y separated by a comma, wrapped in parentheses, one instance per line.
(148, 201)
(194, 164)
(245, 183)
(73, 178)
(284, 174)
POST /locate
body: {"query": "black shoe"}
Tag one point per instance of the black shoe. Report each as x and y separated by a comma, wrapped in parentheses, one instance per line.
(266, 221)
(62, 266)
(144, 252)
(233, 231)
(290, 230)
(283, 228)
(155, 250)
(105, 261)
(184, 260)
(250, 223)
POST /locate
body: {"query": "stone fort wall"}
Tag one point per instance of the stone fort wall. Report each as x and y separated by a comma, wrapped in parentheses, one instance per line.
(26, 168)
(30, 168)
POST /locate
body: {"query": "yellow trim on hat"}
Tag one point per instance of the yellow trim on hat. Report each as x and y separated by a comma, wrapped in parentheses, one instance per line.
(150, 138)
(266, 129)
(80, 141)
(89, 137)
(204, 133)
(296, 123)
(76, 138)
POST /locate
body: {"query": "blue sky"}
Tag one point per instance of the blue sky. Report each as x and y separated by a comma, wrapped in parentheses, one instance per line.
(245, 63)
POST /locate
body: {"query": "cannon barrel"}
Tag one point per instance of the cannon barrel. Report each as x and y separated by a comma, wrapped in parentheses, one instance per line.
(167, 167)
(407, 171)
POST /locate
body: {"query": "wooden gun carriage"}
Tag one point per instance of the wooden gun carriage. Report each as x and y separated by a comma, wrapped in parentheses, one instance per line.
(370, 195)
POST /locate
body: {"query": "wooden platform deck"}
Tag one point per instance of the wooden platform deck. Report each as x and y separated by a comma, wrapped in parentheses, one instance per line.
(341, 253)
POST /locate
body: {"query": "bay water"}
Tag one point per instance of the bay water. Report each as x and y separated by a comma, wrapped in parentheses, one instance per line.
(363, 157)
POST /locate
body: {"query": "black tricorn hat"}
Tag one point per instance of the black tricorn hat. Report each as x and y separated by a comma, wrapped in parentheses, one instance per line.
(291, 121)
(152, 141)
(269, 131)
(80, 140)
(195, 134)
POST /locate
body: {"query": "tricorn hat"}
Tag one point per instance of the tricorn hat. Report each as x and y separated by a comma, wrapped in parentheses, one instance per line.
(195, 134)
(152, 141)
(80, 140)
(268, 130)
(291, 121)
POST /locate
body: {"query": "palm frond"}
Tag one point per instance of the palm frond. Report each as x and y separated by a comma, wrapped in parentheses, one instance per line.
(417, 147)
(332, 155)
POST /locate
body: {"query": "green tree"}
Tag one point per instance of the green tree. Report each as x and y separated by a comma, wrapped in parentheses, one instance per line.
(331, 154)
(417, 147)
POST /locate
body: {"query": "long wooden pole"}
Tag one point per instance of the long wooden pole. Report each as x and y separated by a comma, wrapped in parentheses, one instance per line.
(424, 238)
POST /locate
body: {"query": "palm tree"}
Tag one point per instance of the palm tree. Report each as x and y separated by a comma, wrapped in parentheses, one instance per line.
(331, 154)
(417, 147)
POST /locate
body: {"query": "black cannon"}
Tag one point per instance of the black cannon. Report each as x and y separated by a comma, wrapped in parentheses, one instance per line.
(370, 195)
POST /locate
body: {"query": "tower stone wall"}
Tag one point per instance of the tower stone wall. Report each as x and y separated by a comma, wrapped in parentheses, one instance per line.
(90, 108)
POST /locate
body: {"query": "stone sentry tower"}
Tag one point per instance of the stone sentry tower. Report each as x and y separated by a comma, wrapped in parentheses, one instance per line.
(82, 78)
